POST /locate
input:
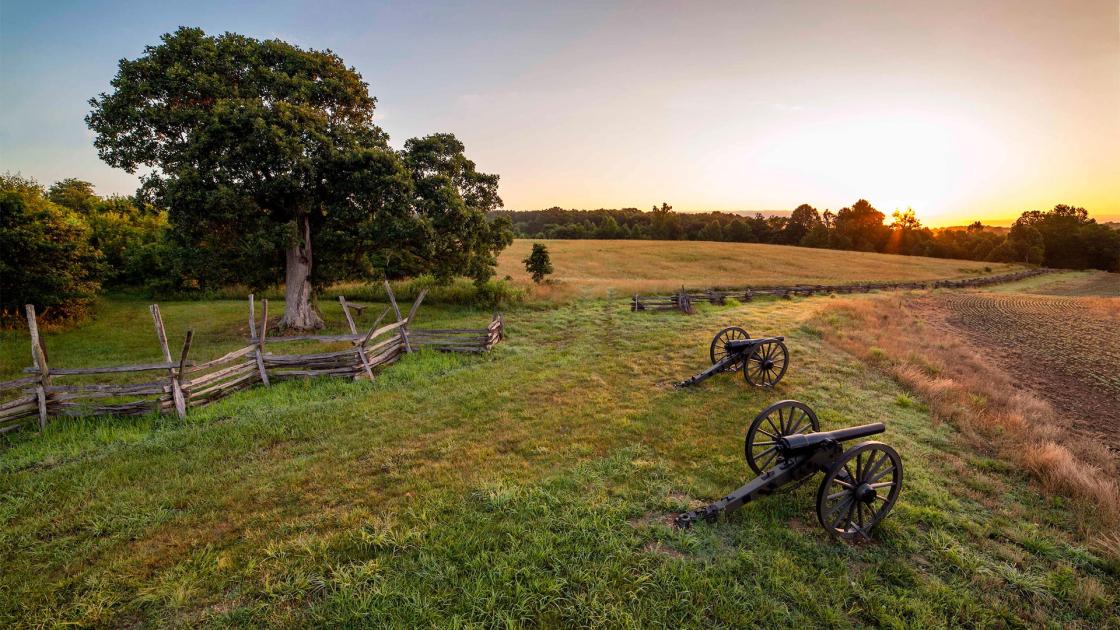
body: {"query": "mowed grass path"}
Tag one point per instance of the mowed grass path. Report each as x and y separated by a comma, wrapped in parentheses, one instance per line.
(526, 486)
(593, 267)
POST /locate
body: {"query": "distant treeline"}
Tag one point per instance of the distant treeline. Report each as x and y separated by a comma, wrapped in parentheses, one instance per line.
(1064, 237)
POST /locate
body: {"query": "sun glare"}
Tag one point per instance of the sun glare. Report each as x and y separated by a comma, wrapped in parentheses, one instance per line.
(918, 160)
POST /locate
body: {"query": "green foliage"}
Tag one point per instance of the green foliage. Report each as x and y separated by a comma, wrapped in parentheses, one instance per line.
(860, 227)
(75, 194)
(538, 263)
(711, 232)
(46, 257)
(1068, 238)
(452, 198)
(260, 149)
(665, 224)
(1024, 243)
(124, 233)
(492, 293)
(801, 222)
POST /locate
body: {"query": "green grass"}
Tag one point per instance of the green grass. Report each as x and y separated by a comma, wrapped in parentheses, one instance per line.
(121, 330)
(529, 486)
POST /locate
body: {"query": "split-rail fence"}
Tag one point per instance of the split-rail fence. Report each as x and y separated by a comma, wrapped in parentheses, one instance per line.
(179, 383)
(682, 300)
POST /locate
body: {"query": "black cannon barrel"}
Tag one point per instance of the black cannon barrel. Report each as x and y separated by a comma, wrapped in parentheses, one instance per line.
(799, 442)
(742, 345)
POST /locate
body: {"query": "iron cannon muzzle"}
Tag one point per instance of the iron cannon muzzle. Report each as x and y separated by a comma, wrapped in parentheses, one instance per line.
(800, 442)
(860, 486)
(743, 345)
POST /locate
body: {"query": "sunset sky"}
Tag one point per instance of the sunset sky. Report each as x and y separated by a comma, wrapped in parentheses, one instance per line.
(961, 110)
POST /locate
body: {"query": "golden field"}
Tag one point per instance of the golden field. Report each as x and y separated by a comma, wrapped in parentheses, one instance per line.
(593, 267)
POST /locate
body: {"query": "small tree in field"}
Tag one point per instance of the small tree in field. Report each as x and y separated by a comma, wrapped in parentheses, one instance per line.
(538, 263)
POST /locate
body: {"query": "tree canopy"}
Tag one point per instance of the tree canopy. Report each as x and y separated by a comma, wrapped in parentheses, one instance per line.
(260, 148)
(46, 257)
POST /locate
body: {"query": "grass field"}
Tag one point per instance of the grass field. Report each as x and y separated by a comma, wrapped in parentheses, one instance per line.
(592, 268)
(529, 486)
(122, 331)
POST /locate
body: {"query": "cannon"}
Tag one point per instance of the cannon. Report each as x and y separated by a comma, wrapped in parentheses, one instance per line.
(763, 361)
(785, 447)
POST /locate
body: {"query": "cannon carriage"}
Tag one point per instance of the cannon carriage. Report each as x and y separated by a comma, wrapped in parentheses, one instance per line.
(785, 448)
(763, 361)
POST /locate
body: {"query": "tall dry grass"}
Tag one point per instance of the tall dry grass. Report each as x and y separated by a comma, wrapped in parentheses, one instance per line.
(593, 267)
(966, 389)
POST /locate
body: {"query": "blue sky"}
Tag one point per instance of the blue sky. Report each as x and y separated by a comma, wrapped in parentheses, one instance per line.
(422, 62)
(959, 109)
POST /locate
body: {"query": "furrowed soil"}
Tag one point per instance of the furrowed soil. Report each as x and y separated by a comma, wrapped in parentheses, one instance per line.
(1061, 341)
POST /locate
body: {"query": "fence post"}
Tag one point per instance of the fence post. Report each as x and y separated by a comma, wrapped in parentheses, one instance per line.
(257, 341)
(182, 369)
(416, 306)
(176, 390)
(346, 312)
(39, 358)
(397, 310)
(354, 331)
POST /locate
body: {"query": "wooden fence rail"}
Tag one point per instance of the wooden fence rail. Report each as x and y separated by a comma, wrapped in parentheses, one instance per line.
(682, 300)
(186, 384)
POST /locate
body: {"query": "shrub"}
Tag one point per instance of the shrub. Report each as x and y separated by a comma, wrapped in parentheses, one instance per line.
(46, 258)
(461, 291)
(538, 263)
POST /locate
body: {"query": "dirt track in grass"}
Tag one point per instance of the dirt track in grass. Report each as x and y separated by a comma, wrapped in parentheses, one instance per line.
(1063, 347)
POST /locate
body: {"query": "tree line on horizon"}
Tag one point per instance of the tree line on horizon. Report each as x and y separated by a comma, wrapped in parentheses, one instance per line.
(1063, 237)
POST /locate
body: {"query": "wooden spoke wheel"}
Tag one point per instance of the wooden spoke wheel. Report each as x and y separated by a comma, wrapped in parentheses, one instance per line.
(719, 349)
(781, 419)
(766, 364)
(859, 490)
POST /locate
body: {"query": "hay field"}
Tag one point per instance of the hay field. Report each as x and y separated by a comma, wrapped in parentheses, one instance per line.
(593, 267)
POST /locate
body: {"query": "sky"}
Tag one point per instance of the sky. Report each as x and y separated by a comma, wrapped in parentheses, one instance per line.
(959, 110)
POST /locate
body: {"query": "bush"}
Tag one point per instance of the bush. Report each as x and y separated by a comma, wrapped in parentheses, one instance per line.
(46, 258)
(122, 233)
(538, 264)
(461, 291)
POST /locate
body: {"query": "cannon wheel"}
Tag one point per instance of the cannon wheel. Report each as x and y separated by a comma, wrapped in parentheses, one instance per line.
(719, 352)
(766, 364)
(778, 420)
(859, 490)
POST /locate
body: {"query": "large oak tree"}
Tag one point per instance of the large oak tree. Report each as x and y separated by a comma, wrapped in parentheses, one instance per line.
(261, 148)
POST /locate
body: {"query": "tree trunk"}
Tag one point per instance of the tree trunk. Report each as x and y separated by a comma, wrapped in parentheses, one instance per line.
(299, 312)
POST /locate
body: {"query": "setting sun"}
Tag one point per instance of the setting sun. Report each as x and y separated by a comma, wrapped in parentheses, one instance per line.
(962, 111)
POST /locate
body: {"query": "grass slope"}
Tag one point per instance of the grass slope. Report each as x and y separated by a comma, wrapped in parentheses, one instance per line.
(592, 267)
(530, 485)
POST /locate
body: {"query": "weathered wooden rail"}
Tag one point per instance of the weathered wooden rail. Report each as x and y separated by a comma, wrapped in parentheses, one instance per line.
(682, 300)
(181, 384)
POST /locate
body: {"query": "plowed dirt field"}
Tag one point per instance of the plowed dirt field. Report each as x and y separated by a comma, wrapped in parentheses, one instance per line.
(1064, 348)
